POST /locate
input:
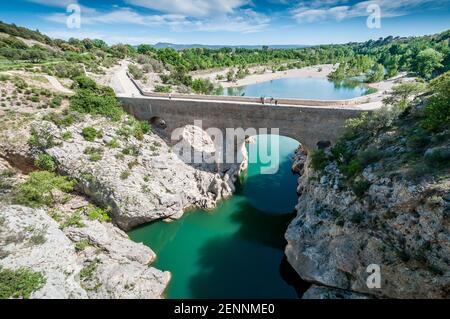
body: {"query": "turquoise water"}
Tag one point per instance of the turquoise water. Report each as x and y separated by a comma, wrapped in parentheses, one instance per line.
(302, 88)
(235, 251)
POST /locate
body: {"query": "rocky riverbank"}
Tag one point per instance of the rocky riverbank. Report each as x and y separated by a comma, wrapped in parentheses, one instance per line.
(393, 215)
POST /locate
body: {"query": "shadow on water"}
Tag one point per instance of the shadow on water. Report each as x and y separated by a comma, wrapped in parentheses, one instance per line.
(251, 263)
(236, 251)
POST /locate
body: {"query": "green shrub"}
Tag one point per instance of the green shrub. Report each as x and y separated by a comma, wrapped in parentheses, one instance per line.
(4, 77)
(38, 190)
(66, 136)
(63, 119)
(82, 245)
(42, 139)
(99, 214)
(319, 160)
(437, 109)
(98, 102)
(90, 134)
(45, 162)
(360, 187)
(95, 153)
(135, 72)
(369, 156)
(124, 175)
(19, 283)
(438, 156)
(84, 82)
(74, 220)
(113, 144)
(163, 89)
(352, 169)
(56, 102)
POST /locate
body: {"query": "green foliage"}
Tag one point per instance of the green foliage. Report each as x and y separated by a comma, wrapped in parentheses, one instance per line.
(42, 139)
(75, 220)
(369, 156)
(63, 119)
(163, 89)
(360, 187)
(352, 169)
(95, 213)
(19, 283)
(202, 86)
(427, 62)
(66, 136)
(95, 153)
(99, 101)
(113, 144)
(135, 72)
(56, 102)
(437, 109)
(45, 162)
(319, 160)
(124, 175)
(82, 245)
(88, 272)
(90, 134)
(377, 73)
(39, 188)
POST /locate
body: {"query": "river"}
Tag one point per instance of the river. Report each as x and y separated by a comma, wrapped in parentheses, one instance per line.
(236, 250)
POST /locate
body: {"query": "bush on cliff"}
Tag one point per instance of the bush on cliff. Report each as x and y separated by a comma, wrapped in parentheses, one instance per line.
(93, 99)
(437, 109)
(19, 283)
(40, 189)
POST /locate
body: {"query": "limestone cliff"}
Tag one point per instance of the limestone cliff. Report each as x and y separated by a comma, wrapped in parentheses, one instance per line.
(378, 197)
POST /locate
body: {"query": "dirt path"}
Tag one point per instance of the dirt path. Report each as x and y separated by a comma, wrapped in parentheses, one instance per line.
(57, 85)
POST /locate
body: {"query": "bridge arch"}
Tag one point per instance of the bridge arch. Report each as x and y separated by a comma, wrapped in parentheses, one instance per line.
(308, 124)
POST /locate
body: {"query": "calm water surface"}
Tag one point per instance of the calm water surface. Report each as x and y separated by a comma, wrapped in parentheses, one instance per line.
(302, 88)
(235, 251)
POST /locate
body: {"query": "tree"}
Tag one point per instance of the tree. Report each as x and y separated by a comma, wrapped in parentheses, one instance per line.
(377, 73)
(437, 109)
(427, 61)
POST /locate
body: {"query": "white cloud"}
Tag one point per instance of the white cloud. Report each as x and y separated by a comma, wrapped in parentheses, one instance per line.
(244, 20)
(313, 11)
(192, 8)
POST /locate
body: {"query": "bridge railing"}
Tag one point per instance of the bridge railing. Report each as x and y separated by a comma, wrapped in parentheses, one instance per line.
(355, 101)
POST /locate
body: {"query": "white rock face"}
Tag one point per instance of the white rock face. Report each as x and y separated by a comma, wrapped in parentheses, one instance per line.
(55, 258)
(152, 183)
(404, 229)
(112, 266)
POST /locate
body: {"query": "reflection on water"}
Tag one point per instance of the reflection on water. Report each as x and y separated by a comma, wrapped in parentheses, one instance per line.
(237, 250)
(302, 88)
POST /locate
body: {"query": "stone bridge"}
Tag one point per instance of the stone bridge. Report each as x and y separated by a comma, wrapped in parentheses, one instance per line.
(307, 124)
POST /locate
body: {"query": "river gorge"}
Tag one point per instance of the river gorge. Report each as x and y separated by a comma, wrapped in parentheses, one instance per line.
(237, 249)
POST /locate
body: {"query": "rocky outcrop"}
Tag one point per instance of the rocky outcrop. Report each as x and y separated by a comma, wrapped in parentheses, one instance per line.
(400, 224)
(140, 180)
(106, 265)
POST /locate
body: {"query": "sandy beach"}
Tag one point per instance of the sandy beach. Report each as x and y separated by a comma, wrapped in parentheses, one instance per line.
(317, 71)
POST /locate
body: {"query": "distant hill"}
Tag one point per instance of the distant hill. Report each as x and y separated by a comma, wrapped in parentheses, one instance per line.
(163, 45)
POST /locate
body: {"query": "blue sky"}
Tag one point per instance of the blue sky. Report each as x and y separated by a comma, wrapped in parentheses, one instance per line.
(231, 22)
